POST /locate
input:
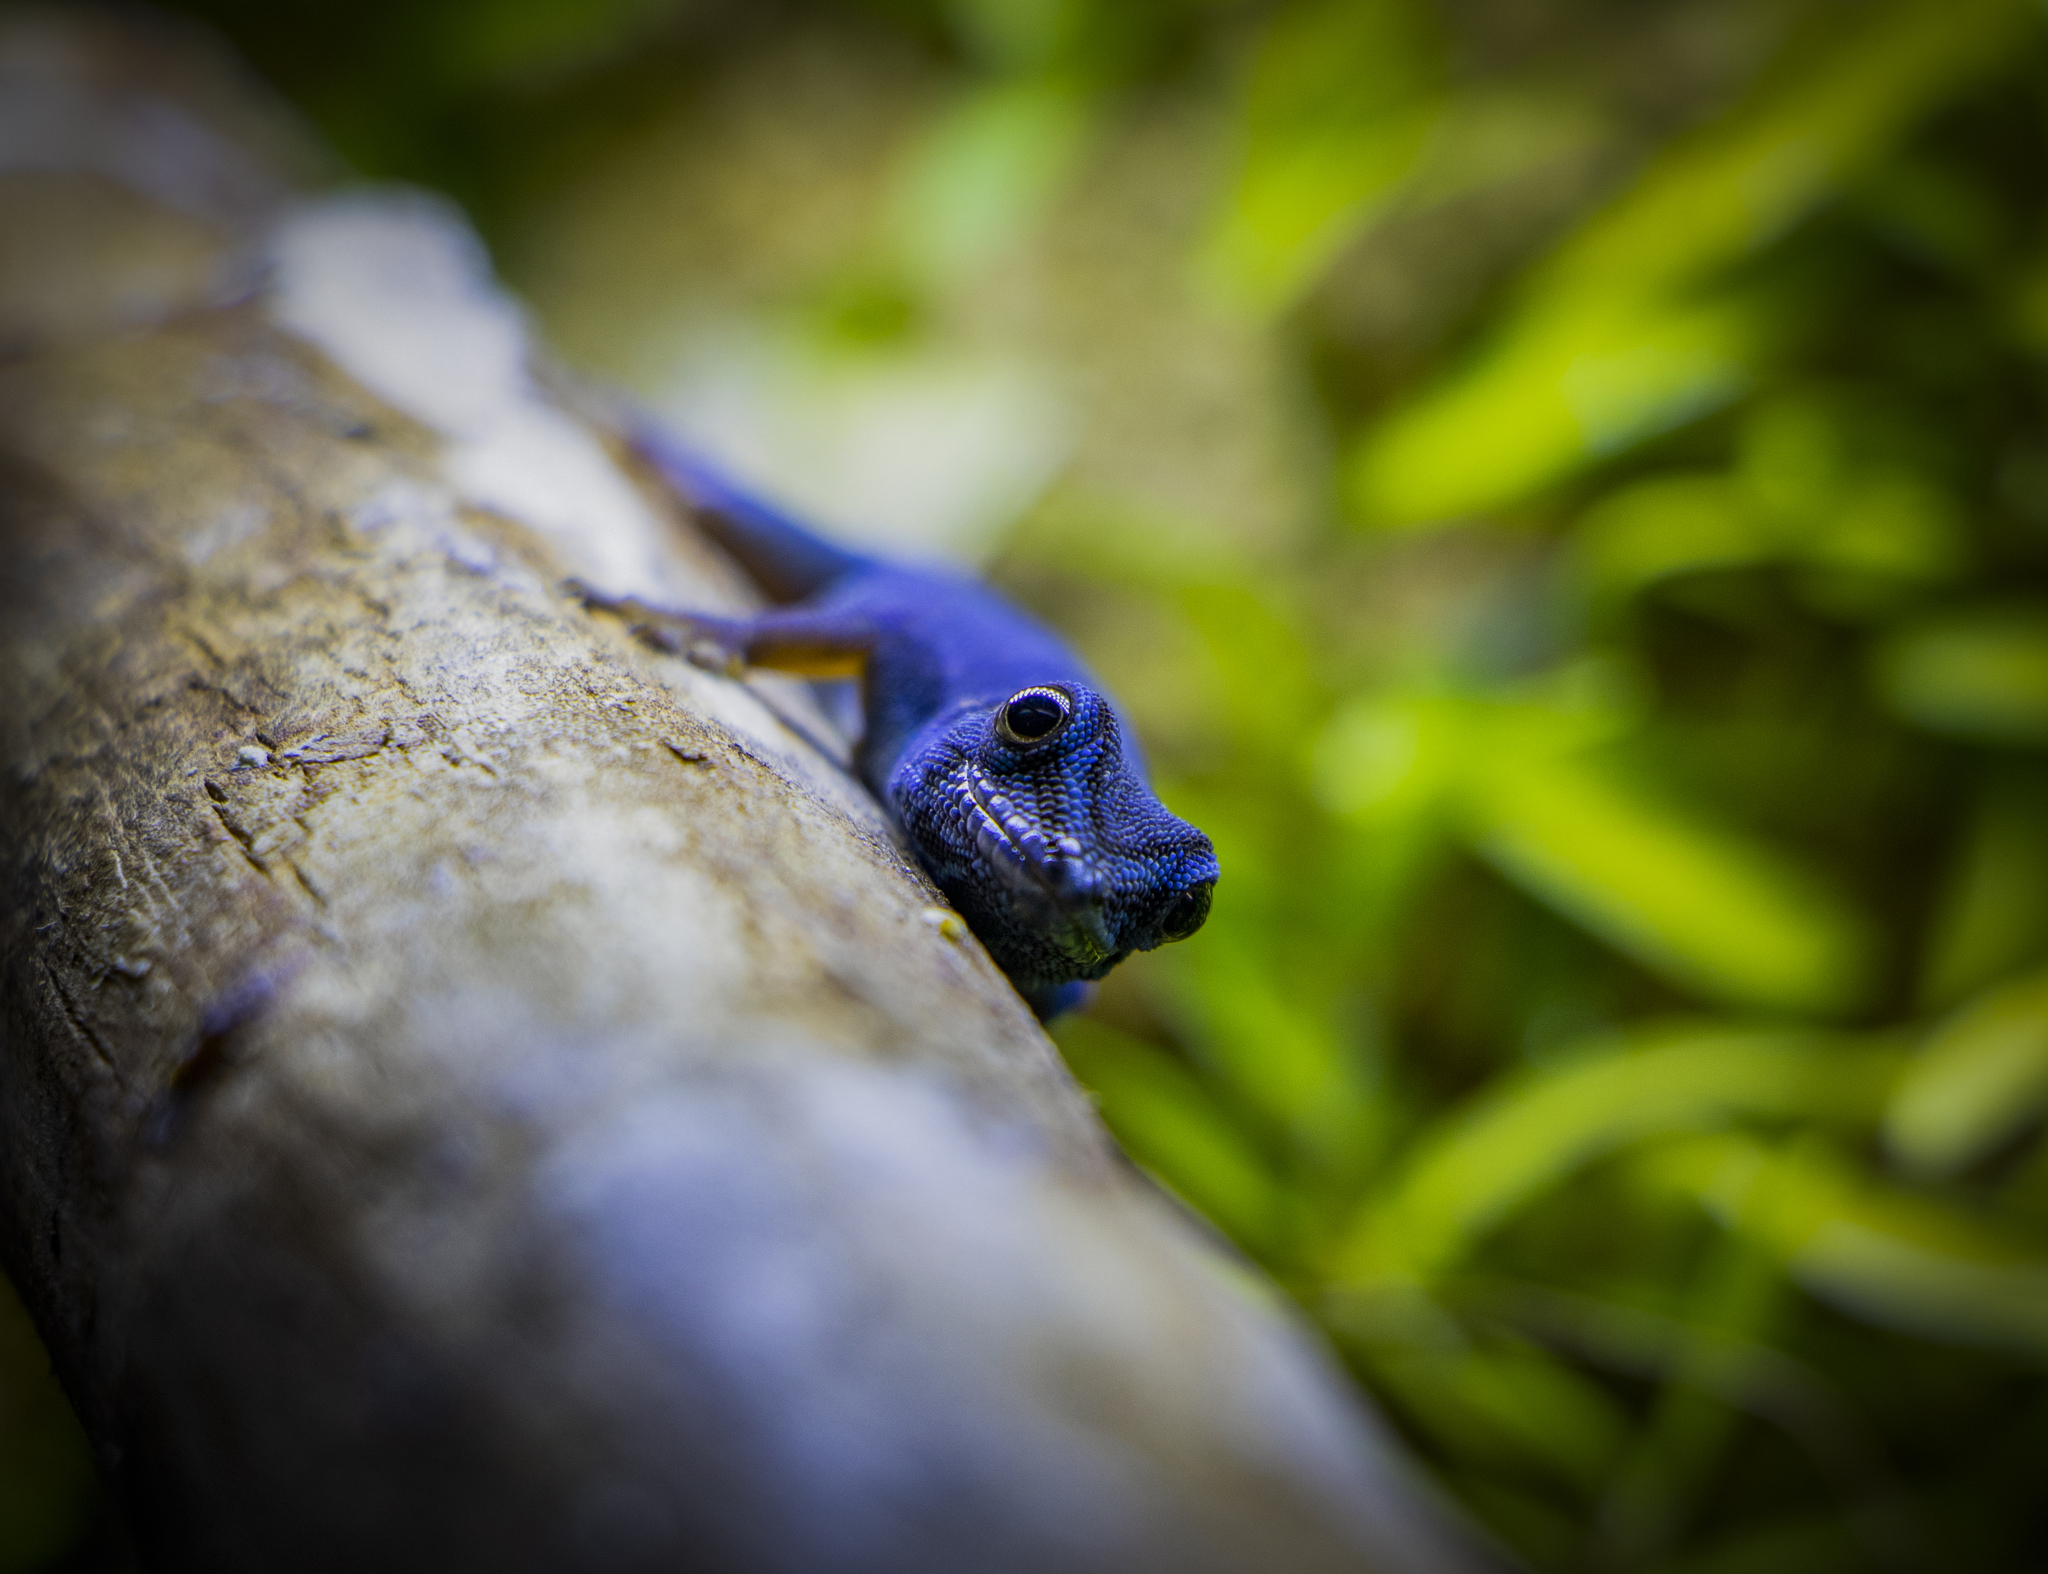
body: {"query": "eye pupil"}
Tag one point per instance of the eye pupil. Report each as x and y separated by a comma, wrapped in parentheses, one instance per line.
(1034, 714)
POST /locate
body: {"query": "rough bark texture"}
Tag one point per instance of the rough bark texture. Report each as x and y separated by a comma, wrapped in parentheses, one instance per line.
(476, 1094)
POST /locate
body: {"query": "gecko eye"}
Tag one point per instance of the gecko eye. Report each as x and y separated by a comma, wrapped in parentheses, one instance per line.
(1184, 915)
(1033, 715)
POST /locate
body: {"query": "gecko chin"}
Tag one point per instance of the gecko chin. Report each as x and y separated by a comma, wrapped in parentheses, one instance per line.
(1031, 817)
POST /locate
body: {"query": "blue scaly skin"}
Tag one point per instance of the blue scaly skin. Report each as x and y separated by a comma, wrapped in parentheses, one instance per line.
(984, 737)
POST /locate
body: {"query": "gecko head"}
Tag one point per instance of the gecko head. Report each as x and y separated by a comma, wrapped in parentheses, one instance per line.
(1038, 825)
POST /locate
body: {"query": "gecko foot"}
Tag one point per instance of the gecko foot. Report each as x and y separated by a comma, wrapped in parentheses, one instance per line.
(698, 640)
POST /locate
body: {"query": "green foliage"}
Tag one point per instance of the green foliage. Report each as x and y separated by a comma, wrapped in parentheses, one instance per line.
(1992, 916)
(982, 175)
(1491, 1160)
(1341, 98)
(1622, 332)
(1978, 1080)
(1974, 671)
(1597, 1026)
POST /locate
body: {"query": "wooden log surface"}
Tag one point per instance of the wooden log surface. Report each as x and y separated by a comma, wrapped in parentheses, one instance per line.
(475, 1093)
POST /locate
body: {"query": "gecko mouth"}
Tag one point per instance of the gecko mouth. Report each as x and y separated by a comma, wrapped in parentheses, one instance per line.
(1053, 871)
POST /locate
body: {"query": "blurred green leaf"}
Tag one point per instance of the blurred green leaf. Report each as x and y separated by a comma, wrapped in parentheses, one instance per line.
(1528, 1523)
(1979, 673)
(1281, 1056)
(1342, 96)
(1666, 526)
(1517, 1142)
(1713, 1367)
(1571, 384)
(1019, 35)
(1832, 494)
(1721, 194)
(1174, 1127)
(1510, 1406)
(2022, 1195)
(1681, 892)
(1394, 756)
(981, 176)
(1493, 130)
(1980, 1077)
(1611, 341)
(499, 41)
(1800, 495)
(2029, 308)
(1396, 753)
(1894, 1258)
(1797, 1544)
(1271, 682)
(1697, 1412)
(1701, 1349)
(1942, 212)
(1688, 896)
(1993, 912)
(1883, 533)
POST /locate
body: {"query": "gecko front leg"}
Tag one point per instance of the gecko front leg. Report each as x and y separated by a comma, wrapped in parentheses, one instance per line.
(813, 642)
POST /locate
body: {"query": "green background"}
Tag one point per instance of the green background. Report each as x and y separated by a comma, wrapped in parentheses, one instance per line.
(1562, 486)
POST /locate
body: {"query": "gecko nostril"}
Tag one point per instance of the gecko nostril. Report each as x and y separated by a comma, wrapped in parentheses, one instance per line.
(1186, 912)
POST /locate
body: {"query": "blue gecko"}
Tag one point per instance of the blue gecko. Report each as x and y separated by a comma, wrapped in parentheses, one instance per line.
(990, 745)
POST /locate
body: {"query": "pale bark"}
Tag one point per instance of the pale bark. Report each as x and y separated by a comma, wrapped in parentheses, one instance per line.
(475, 1093)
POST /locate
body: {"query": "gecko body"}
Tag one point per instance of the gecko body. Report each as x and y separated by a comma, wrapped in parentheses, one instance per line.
(994, 750)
